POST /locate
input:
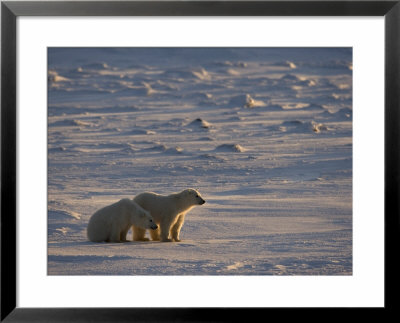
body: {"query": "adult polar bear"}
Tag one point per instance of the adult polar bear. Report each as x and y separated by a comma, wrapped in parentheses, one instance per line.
(112, 222)
(168, 212)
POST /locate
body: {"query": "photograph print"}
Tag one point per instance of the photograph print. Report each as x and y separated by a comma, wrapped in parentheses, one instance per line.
(200, 161)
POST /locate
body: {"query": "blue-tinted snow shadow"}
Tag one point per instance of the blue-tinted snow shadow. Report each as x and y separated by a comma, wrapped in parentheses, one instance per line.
(84, 258)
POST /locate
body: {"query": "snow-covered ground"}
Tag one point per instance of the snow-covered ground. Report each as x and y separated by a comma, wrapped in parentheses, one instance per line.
(265, 135)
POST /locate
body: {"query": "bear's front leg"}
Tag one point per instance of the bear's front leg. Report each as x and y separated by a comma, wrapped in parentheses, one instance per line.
(115, 236)
(176, 228)
(155, 234)
(123, 235)
(164, 236)
(138, 234)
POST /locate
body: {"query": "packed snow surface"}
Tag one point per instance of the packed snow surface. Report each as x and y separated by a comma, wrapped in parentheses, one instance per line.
(265, 135)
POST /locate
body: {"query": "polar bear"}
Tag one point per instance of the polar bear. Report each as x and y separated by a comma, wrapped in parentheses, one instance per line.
(112, 223)
(168, 212)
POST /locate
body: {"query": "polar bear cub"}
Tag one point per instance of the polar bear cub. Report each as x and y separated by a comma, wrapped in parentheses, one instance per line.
(168, 212)
(112, 223)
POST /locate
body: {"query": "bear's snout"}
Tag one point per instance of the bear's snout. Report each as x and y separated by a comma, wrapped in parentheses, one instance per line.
(154, 227)
(202, 202)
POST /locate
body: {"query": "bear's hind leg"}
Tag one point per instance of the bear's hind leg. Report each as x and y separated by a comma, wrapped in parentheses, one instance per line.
(138, 234)
(165, 227)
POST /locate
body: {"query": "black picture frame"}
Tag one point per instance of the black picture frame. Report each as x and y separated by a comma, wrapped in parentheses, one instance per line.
(10, 10)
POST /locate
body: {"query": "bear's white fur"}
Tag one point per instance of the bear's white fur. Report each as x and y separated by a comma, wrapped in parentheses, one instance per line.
(112, 223)
(168, 212)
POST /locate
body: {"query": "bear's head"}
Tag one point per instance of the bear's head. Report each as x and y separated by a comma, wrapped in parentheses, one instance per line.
(142, 218)
(193, 196)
